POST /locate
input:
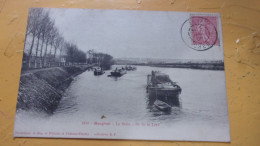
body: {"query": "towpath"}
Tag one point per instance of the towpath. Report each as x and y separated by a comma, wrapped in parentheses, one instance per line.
(46, 69)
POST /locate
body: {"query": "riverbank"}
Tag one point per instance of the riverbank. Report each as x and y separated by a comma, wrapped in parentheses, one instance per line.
(42, 90)
(202, 66)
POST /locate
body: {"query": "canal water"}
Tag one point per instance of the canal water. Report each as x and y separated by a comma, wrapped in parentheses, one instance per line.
(203, 95)
(203, 103)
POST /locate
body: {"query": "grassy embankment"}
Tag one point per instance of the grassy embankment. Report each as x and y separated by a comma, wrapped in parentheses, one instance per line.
(42, 90)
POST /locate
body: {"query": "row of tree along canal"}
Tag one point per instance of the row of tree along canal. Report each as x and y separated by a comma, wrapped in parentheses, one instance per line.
(45, 46)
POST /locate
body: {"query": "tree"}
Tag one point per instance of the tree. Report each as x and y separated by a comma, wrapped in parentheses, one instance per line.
(74, 55)
(103, 60)
(47, 25)
(42, 31)
(62, 46)
(53, 35)
(90, 56)
(57, 43)
(48, 37)
(33, 26)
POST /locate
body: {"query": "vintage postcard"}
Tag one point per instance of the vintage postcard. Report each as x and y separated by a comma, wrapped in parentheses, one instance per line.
(123, 74)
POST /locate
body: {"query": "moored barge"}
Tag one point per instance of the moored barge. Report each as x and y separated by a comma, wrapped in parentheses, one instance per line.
(98, 71)
(118, 72)
(161, 87)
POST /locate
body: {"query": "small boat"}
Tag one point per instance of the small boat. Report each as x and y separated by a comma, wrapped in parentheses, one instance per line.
(130, 68)
(162, 106)
(118, 72)
(98, 71)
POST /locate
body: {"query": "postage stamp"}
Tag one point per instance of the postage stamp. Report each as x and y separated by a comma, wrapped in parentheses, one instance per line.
(200, 32)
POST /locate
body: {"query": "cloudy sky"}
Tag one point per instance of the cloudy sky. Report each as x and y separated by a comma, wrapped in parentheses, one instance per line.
(129, 34)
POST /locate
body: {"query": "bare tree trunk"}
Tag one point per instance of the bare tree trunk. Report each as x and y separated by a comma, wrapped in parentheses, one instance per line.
(55, 49)
(41, 52)
(30, 53)
(50, 56)
(35, 61)
(50, 50)
(37, 48)
(45, 53)
(61, 58)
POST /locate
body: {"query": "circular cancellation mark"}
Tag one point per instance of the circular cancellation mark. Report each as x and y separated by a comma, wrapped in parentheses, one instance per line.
(199, 33)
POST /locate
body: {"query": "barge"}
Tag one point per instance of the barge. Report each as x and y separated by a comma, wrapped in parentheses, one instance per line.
(130, 68)
(98, 71)
(161, 87)
(118, 72)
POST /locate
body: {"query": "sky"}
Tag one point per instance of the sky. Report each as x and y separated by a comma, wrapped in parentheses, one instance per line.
(130, 33)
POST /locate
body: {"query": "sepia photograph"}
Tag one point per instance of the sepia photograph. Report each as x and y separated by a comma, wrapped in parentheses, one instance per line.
(122, 74)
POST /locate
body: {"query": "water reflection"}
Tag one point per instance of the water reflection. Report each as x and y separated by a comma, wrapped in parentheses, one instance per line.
(114, 78)
(127, 98)
(201, 105)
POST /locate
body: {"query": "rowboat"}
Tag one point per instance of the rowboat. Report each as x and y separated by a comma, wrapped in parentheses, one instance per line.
(162, 106)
